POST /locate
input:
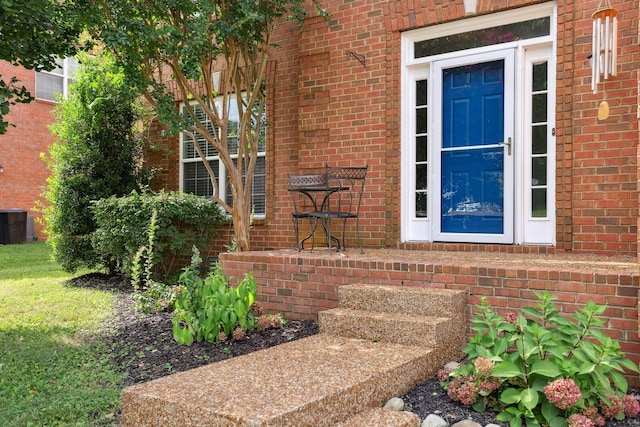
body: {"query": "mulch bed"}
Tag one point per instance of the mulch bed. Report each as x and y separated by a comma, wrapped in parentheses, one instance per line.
(143, 345)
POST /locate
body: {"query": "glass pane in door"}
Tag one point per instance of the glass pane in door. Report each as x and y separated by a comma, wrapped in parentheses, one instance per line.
(472, 157)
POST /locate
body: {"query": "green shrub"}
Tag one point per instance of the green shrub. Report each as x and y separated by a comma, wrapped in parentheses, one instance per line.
(183, 220)
(543, 369)
(97, 154)
(209, 309)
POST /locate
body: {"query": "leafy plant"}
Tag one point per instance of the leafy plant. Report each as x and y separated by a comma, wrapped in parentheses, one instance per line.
(150, 295)
(182, 221)
(209, 309)
(540, 368)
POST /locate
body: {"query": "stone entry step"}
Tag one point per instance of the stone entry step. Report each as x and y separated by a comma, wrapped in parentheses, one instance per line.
(437, 302)
(423, 317)
(421, 331)
(316, 381)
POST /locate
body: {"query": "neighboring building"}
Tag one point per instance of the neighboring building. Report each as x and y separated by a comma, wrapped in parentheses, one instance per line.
(523, 161)
(24, 174)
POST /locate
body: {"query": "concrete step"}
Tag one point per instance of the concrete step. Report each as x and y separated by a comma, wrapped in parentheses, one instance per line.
(317, 381)
(379, 417)
(436, 302)
(447, 335)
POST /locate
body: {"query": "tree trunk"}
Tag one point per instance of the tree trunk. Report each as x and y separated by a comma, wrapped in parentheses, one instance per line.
(241, 217)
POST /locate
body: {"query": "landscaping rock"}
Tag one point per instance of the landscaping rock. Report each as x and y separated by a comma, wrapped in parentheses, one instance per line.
(433, 420)
(394, 404)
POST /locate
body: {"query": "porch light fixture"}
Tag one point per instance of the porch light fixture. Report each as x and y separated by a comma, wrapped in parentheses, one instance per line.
(1, 169)
(604, 46)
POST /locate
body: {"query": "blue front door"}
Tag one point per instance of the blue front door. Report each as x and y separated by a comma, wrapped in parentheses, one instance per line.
(473, 149)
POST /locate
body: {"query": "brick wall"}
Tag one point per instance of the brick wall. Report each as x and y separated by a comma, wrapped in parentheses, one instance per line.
(597, 160)
(328, 107)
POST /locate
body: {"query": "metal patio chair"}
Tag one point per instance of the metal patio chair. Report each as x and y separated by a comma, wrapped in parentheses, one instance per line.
(344, 203)
(305, 190)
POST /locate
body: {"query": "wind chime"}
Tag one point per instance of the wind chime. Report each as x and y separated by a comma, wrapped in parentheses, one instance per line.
(604, 50)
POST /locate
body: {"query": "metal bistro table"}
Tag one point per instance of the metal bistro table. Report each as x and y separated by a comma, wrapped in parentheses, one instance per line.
(313, 188)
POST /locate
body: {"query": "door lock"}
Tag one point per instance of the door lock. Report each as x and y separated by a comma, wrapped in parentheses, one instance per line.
(508, 144)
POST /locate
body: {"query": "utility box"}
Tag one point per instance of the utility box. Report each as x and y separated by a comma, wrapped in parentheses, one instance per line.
(13, 226)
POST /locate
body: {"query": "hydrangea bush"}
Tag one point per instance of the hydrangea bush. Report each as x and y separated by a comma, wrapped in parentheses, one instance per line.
(540, 368)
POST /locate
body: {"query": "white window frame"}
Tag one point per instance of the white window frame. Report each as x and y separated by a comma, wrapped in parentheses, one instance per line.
(526, 229)
(222, 170)
(65, 71)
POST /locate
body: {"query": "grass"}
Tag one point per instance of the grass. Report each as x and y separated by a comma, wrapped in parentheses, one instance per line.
(53, 371)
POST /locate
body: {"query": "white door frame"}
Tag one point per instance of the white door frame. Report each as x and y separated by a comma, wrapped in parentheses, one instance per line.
(527, 230)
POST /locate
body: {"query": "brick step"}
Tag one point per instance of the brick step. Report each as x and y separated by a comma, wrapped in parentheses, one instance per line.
(379, 417)
(444, 334)
(436, 302)
(317, 381)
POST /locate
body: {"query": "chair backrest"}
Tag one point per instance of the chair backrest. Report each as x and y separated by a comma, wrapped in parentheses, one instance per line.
(352, 179)
(305, 181)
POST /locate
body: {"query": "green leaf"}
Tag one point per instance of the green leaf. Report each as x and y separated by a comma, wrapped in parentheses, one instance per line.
(586, 368)
(529, 398)
(500, 347)
(507, 369)
(510, 396)
(558, 422)
(549, 411)
(504, 416)
(589, 350)
(479, 406)
(601, 378)
(515, 422)
(619, 381)
(546, 368)
(628, 364)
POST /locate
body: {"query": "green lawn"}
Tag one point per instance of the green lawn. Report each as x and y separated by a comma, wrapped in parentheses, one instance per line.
(51, 369)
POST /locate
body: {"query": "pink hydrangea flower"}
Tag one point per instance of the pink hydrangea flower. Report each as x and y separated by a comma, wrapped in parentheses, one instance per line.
(631, 406)
(489, 385)
(483, 366)
(510, 317)
(443, 375)
(616, 408)
(463, 390)
(239, 334)
(594, 415)
(563, 393)
(264, 322)
(579, 420)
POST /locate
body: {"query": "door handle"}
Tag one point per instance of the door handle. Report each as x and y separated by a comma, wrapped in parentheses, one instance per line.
(508, 144)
